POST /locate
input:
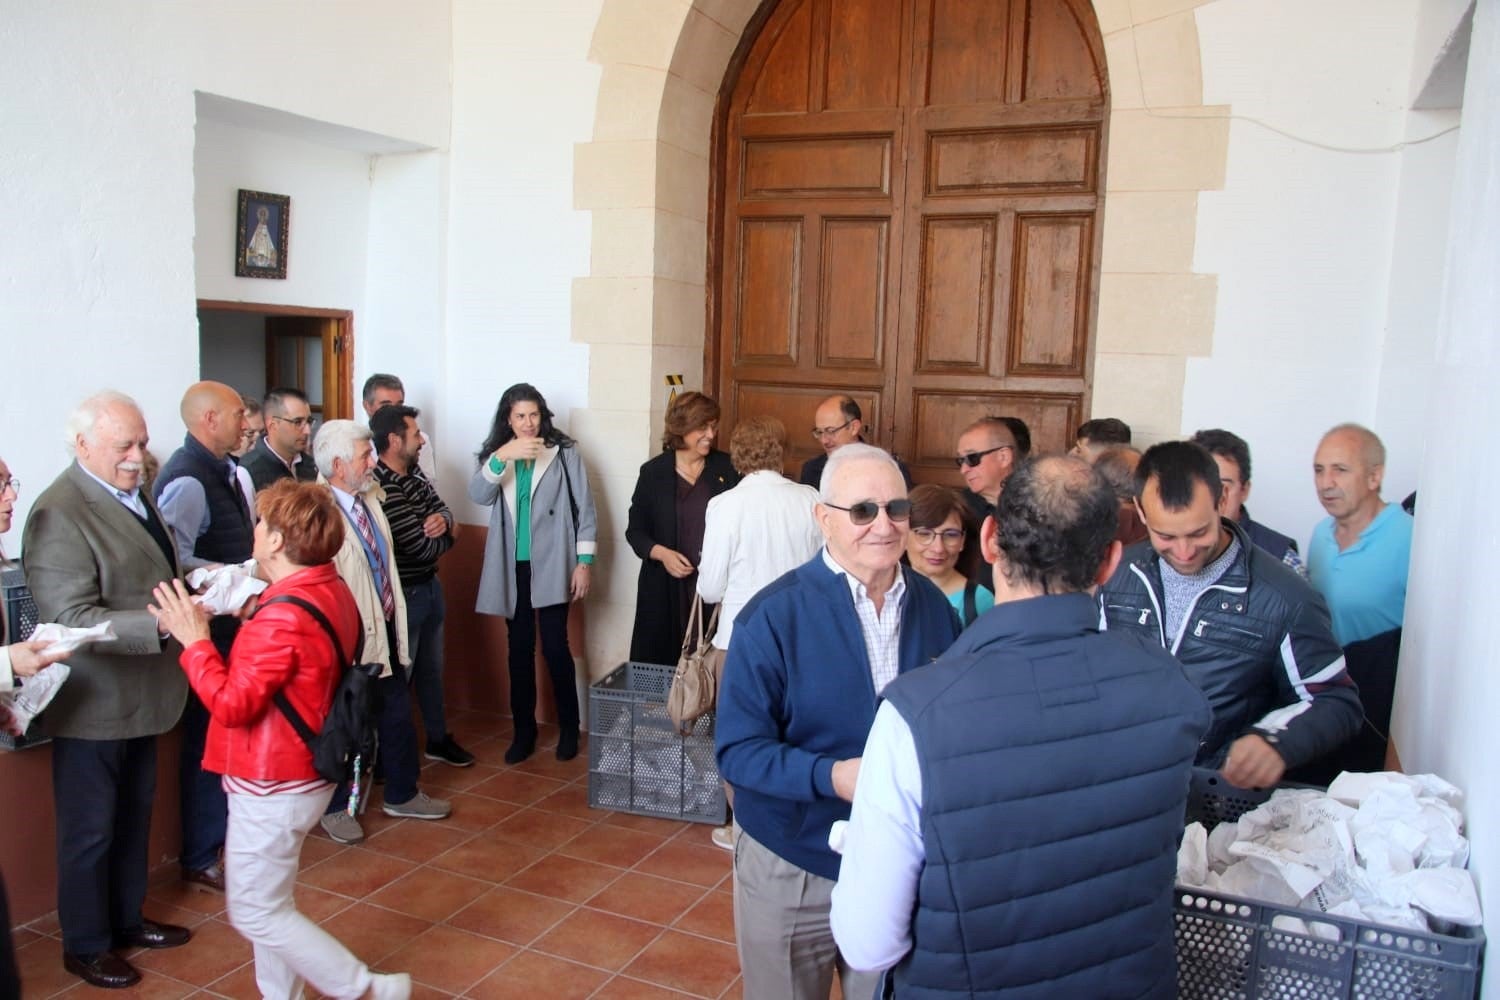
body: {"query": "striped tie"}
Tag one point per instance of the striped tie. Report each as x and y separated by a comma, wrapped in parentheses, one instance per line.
(367, 532)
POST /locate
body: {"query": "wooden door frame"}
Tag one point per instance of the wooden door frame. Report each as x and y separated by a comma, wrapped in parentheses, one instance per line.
(342, 348)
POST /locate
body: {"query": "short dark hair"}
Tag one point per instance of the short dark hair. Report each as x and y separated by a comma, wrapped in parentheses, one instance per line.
(1177, 466)
(274, 405)
(930, 507)
(1226, 445)
(1104, 430)
(381, 380)
(1056, 518)
(390, 420)
(1117, 466)
(252, 405)
(850, 409)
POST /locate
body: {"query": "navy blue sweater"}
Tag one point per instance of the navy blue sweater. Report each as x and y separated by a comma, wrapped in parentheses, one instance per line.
(797, 697)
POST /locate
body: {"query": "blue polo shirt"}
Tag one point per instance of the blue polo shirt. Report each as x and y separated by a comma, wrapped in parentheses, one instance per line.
(1364, 585)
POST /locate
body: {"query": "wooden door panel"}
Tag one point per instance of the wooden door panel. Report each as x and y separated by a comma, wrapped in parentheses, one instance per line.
(864, 50)
(852, 293)
(1049, 316)
(911, 215)
(770, 263)
(1038, 160)
(955, 308)
(817, 166)
(794, 406)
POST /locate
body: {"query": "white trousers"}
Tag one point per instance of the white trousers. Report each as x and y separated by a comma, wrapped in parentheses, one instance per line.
(261, 854)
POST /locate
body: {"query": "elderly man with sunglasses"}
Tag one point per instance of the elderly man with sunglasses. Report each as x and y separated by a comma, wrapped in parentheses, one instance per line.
(987, 454)
(810, 655)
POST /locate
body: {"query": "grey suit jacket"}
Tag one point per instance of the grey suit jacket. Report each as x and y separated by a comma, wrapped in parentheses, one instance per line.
(89, 560)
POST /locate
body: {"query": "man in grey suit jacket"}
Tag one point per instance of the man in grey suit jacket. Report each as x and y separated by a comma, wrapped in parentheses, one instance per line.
(94, 547)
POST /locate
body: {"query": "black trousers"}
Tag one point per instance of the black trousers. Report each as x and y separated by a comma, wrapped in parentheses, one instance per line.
(521, 643)
(102, 791)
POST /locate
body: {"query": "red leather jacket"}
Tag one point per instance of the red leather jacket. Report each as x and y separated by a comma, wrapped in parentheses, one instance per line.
(282, 648)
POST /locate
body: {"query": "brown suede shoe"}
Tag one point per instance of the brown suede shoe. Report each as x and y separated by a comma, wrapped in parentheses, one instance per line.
(105, 970)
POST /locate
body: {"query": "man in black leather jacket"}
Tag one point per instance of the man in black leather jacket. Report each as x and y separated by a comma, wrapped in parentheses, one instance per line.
(1251, 633)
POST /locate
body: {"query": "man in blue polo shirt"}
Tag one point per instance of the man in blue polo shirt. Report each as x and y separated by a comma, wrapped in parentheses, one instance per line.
(1358, 556)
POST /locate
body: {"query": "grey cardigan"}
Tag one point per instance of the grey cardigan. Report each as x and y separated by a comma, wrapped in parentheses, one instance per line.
(553, 553)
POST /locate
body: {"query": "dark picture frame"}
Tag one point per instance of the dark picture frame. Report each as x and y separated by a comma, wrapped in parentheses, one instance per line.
(260, 243)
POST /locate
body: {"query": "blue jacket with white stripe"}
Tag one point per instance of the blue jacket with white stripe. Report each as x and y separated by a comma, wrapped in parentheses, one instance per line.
(1258, 643)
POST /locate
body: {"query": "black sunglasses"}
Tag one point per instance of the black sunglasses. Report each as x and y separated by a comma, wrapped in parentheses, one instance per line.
(866, 511)
(972, 458)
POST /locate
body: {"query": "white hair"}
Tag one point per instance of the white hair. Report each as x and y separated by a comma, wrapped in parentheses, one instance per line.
(855, 451)
(336, 439)
(84, 419)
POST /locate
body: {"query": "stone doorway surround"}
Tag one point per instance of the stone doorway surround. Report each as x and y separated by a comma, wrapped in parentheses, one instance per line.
(645, 177)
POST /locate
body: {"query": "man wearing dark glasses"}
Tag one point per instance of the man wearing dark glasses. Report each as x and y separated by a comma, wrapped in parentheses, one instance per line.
(987, 453)
(810, 655)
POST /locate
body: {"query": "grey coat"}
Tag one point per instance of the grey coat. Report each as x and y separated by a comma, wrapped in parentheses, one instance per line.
(89, 560)
(553, 553)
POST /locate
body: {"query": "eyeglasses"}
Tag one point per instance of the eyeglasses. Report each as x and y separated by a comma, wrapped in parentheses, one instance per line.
(972, 458)
(866, 511)
(827, 432)
(14, 485)
(950, 536)
(295, 421)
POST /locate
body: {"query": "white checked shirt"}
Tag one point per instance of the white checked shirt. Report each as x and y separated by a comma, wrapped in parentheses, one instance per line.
(882, 632)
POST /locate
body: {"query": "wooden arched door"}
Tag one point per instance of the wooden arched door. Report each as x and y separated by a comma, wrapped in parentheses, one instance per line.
(908, 204)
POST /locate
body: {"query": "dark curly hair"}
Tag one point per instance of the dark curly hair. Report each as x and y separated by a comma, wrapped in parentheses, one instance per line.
(1056, 518)
(500, 432)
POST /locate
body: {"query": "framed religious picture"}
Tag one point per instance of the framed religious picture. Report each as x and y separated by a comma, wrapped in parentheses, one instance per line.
(260, 237)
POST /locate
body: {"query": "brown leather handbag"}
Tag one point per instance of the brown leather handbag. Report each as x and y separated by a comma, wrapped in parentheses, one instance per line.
(695, 683)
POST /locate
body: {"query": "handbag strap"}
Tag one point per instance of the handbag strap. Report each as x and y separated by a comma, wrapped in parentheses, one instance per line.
(971, 601)
(309, 736)
(572, 503)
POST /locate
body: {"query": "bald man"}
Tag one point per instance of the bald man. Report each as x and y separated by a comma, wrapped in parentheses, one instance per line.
(836, 422)
(1359, 554)
(200, 498)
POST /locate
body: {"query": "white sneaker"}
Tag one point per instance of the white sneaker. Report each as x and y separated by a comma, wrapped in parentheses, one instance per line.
(723, 836)
(392, 987)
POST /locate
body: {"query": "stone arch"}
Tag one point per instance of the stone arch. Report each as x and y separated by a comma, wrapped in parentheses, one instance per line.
(645, 177)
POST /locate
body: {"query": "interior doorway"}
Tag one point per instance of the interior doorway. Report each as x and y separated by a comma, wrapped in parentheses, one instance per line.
(255, 347)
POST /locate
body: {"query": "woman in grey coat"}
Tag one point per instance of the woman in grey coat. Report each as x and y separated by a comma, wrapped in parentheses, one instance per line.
(538, 555)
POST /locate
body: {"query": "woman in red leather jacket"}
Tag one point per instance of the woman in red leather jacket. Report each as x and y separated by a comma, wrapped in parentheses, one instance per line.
(275, 795)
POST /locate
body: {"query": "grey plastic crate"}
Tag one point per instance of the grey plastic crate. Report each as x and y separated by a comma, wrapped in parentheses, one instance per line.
(638, 762)
(1229, 948)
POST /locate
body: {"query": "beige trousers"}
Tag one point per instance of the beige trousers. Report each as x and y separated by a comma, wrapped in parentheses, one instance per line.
(786, 945)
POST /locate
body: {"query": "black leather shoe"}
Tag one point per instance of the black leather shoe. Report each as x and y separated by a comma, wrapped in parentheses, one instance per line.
(567, 745)
(520, 748)
(210, 879)
(153, 935)
(105, 970)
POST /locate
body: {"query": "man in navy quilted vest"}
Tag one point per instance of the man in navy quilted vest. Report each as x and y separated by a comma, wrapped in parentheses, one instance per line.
(1016, 820)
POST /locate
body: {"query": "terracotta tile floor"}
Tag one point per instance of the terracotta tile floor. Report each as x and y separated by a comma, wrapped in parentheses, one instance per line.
(524, 891)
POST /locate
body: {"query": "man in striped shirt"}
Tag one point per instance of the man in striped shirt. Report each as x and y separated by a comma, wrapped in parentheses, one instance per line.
(421, 531)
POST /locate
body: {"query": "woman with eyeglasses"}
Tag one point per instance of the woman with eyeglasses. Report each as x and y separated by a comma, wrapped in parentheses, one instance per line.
(668, 511)
(943, 545)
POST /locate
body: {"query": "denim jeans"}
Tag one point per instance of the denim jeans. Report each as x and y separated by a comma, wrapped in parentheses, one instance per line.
(425, 611)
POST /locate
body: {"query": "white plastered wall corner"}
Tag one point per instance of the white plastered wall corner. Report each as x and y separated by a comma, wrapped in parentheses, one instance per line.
(645, 178)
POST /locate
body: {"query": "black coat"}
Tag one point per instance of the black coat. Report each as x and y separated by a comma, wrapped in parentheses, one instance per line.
(659, 621)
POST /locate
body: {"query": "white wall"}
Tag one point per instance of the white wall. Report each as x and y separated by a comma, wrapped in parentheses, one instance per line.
(1301, 238)
(97, 171)
(1448, 687)
(329, 220)
(523, 94)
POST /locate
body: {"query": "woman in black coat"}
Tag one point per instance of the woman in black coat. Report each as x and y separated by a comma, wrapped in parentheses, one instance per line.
(666, 524)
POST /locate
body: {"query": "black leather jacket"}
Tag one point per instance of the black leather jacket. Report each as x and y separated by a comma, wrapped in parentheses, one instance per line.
(1259, 645)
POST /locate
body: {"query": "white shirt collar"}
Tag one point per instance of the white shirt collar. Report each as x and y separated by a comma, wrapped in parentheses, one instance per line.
(858, 590)
(130, 498)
